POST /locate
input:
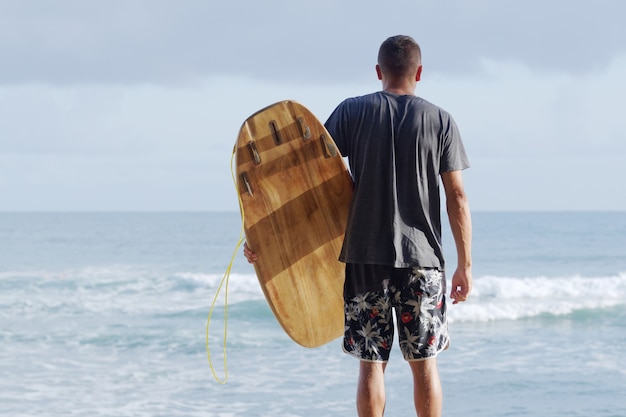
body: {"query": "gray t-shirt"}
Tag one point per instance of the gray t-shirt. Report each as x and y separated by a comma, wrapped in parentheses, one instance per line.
(397, 147)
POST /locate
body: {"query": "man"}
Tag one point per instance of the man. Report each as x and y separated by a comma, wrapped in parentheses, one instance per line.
(398, 146)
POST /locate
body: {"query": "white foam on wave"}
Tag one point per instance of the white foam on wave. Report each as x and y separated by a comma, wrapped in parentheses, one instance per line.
(509, 298)
(496, 298)
(241, 287)
(127, 289)
(133, 289)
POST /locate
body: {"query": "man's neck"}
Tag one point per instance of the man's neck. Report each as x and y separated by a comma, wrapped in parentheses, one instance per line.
(401, 88)
(399, 92)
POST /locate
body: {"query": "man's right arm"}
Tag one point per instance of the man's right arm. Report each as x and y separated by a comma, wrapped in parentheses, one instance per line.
(461, 225)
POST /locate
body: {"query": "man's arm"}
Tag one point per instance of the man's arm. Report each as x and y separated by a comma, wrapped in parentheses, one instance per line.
(461, 225)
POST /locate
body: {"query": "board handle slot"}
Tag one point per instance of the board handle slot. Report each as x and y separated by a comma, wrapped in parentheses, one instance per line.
(254, 153)
(328, 147)
(305, 131)
(246, 183)
(275, 133)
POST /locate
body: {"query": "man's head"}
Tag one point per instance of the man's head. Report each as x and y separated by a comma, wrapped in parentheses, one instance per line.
(400, 57)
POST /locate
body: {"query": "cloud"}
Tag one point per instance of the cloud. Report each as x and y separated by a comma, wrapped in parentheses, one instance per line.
(143, 147)
(535, 139)
(136, 104)
(513, 110)
(159, 41)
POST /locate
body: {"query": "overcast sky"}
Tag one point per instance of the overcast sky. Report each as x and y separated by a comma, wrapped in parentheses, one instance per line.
(136, 105)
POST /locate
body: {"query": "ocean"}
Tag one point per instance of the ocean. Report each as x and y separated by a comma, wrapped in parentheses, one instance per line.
(104, 314)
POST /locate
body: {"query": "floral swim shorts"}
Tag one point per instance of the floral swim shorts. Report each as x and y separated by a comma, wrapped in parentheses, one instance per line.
(373, 292)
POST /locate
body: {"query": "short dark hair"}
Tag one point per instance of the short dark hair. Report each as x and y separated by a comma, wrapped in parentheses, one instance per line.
(399, 55)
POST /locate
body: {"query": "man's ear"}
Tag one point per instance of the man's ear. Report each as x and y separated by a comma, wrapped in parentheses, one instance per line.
(418, 75)
(379, 72)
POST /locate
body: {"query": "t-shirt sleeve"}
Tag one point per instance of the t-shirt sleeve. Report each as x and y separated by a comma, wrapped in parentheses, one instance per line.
(337, 126)
(453, 156)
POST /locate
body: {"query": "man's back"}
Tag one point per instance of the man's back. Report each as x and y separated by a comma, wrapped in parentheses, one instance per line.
(397, 146)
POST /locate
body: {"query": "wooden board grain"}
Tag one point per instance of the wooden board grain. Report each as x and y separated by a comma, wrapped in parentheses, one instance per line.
(295, 192)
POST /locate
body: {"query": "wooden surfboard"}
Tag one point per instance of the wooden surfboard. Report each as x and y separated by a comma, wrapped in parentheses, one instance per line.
(295, 194)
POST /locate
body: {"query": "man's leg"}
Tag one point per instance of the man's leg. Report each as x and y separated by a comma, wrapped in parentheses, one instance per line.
(427, 388)
(370, 397)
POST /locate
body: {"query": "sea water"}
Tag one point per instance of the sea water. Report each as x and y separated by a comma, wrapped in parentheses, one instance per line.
(105, 314)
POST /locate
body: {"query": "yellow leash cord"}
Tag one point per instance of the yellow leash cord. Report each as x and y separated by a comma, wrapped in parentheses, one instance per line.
(225, 280)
